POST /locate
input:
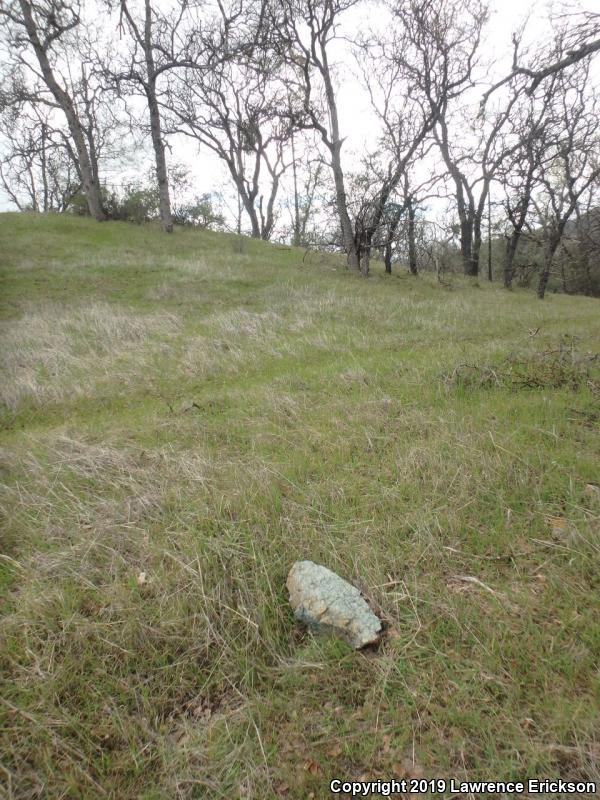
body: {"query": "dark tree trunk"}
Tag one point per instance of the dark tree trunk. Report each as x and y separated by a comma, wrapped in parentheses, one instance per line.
(387, 258)
(509, 258)
(254, 222)
(466, 246)
(391, 233)
(517, 218)
(551, 247)
(477, 239)
(246, 197)
(476, 246)
(412, 244)
(365, 259)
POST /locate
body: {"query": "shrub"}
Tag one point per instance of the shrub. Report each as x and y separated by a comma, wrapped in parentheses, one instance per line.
(200, 213)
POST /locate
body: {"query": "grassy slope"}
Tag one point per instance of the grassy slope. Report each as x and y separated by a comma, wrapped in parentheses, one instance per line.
(206, 416)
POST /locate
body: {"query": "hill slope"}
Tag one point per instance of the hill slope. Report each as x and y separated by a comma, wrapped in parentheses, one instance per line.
(185, 416)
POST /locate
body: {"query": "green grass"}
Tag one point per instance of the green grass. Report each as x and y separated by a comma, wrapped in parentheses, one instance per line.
(206, 410)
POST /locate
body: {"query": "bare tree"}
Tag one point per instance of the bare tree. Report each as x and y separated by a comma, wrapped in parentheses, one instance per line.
(152, 36)
(471, 176)
(519, 175)
(406, 103)
(402, 231)
(445, 37)
(238, 111)
(45, 28)
(185, 37)
(309, 181)
(392, 65)
(307, 29)
(572, 164)
(36, 170)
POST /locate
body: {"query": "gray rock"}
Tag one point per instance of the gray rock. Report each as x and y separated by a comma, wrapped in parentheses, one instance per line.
(328, 603)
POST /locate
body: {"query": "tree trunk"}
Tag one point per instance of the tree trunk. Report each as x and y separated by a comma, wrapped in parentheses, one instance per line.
(251, 211)
(246, 200)
(547, 266)
(90, 186)
(268, 223)
(254, 221)
(162, 175)
(518, 222)
(477, 215)
(490, 268)
(296, 237)
(391, 233)
(466, 246)
(365, 260)
(161, 165)
(348, 241)
(412, 245)
(335, 148)
(45, 170)
(387, 258)
(465, 207)
(476, 246)
(509, 259)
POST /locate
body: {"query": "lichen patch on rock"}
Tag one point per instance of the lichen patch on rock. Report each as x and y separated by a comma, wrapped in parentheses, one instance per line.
(327, 603)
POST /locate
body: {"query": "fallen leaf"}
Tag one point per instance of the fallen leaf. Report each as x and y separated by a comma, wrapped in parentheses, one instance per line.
(398, 770)
(202, 711)
(312, 767)
(558, 524)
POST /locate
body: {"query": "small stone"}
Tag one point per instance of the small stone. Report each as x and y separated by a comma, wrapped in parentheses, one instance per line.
(142, 579)
(592, 492)
(325, 602)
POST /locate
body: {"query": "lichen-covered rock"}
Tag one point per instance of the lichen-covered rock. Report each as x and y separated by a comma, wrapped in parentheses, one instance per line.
(328, 603)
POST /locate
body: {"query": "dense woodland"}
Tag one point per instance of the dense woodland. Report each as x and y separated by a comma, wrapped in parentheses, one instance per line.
(485, 166)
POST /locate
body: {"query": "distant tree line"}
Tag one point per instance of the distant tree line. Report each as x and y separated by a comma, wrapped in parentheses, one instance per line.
(257, 83)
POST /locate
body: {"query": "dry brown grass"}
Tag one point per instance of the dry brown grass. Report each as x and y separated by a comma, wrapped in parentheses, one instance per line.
(53, 352)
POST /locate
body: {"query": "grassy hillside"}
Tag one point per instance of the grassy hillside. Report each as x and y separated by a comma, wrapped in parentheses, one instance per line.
(185, 416)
